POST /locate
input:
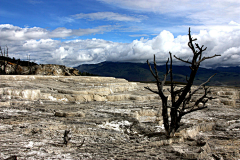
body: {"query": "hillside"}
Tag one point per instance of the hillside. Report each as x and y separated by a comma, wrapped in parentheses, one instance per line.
(140, 72)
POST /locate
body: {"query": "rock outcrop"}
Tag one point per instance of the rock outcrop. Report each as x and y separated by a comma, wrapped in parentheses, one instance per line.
(55, 70)
(108, 118)
(42, 69)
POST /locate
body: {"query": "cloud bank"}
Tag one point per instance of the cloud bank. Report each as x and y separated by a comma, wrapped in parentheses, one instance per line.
(198, 12)
(43, 46)
(15, 33)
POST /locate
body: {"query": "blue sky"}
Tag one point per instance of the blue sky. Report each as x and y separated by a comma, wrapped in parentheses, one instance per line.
(75, 32)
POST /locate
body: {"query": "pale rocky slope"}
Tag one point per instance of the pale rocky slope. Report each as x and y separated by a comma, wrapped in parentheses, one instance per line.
(42, 69)
(108, 118)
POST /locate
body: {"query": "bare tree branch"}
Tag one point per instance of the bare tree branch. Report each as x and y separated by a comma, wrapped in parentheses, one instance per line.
(204, 58)
(192, 110)
(200, 48)
(203, 84)
(151, 70)
(190, 44)
(155, 67)
(159, 83)
(151, 90)
(182, 60)
(167, 72)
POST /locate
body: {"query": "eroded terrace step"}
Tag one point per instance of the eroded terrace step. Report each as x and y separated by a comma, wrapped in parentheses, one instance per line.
(84, 89)
(83, 79)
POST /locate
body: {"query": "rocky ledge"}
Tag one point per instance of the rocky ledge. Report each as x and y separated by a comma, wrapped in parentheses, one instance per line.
(108, 118)
(42, 69)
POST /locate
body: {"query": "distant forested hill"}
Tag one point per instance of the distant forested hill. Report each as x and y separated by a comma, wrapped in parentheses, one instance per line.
(140, 72)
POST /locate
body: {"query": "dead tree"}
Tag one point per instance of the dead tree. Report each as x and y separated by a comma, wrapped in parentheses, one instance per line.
(2, 54)
(5, 53)
(5, 59)
(180, 98)
(66, 138)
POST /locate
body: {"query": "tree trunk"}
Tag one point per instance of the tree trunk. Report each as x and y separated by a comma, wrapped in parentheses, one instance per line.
(165, 115)
(174, 122)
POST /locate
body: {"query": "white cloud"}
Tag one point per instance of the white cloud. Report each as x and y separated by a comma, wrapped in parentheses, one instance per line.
(110, 16)
(36, 42)
(197, 11)
(234, 23)
(15, 33)
(41, 44)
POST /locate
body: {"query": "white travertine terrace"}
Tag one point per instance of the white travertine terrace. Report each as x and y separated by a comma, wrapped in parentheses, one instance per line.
(113, 117)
